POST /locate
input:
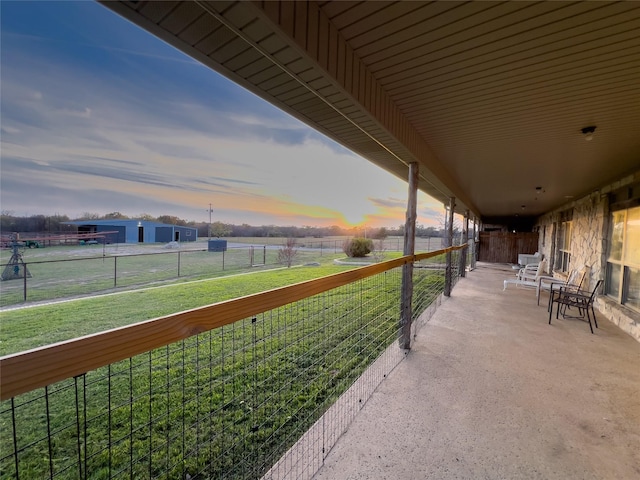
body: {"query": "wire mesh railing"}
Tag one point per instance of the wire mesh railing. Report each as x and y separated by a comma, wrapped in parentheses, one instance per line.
(224, 391)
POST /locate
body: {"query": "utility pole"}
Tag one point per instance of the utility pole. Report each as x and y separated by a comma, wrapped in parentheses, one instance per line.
(210, 211)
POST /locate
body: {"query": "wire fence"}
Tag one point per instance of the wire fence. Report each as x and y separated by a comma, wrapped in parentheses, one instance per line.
(53, 279)
(266, 395)
(67, 277)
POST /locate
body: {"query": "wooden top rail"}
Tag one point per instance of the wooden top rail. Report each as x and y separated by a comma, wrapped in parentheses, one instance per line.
(36, 368)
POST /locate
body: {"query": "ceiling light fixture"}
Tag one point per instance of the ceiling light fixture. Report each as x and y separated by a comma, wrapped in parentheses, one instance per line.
(588, 132)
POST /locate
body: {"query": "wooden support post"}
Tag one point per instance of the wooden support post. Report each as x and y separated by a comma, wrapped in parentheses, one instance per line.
(449, 243)
(409, 249)
(474, 244)
(552, 255)
(465, 240)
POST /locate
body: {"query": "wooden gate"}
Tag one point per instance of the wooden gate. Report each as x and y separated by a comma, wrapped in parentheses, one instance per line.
(504, 247)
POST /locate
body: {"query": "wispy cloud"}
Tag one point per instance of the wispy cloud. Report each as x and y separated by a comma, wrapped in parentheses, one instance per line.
(389, 202)
(92, 124)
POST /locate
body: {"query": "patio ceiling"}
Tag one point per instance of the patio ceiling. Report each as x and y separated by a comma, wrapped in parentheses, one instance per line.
(488, 97)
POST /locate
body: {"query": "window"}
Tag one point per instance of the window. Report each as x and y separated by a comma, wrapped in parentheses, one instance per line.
(623, 263)
(564, 247)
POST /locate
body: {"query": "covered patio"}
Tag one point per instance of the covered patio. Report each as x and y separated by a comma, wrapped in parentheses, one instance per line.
(490, 390)
(490, 108)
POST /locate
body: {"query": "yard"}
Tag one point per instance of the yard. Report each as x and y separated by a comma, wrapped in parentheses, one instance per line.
(226, 403)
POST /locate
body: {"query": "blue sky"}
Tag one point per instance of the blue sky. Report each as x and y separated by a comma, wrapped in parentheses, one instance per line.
(99, 116)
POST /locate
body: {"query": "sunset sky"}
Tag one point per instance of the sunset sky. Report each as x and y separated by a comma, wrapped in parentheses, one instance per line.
(99, 116)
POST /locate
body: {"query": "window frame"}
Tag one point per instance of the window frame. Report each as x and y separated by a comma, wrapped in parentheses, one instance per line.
(563, 256)
(622, 287)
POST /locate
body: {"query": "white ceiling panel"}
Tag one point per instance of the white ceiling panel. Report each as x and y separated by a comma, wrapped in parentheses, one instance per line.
(488, 97)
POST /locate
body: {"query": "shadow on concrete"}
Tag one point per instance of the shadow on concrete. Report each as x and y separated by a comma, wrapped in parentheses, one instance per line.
(490, 390)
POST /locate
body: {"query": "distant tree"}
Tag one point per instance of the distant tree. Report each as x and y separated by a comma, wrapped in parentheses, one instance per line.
(431, 232)
(88, 216)
(335, 230)
(381, 234)
(273, 231)
(146, 216)
(288, 252)
(171, 220)
(244, 230)
(219, 229)
(288, 231)
(309, 231)
(8, 223)
(457, 228)
(116, 216)
(57, 222)
(37, 223)
(203, 228)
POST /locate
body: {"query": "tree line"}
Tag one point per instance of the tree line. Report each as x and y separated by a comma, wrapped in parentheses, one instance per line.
(58, 224)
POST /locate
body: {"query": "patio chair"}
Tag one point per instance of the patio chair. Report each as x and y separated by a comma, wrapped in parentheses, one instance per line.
(548, 283)
(526, 258)
(528, 275)
(579, 299)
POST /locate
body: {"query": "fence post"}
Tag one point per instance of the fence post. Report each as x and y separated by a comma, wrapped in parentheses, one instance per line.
(115, 271)
(24, 272)
(223, 260)
(178, 263)
(264, 254)
(449, 242)
(409, 249)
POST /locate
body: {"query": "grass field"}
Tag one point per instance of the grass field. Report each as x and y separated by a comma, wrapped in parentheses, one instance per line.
(60, 272)
(35, 326)
(74, 272)
(67, 271)
(222, 404)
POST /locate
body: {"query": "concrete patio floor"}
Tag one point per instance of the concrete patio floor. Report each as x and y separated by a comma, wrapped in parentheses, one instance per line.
(491, 391)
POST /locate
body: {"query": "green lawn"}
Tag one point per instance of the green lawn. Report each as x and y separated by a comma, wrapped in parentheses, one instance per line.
(66, 271)
(36, 326)
(61, 272)
(226, 402)
(223, 404)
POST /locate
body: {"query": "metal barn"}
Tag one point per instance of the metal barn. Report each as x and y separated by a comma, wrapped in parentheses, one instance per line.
(137, 231)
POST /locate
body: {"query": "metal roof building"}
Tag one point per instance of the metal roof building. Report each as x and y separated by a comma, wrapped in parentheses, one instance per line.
(137, 231)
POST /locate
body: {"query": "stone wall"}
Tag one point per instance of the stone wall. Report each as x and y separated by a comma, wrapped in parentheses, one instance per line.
(588, 236)
(626, 319)
(589, 242)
